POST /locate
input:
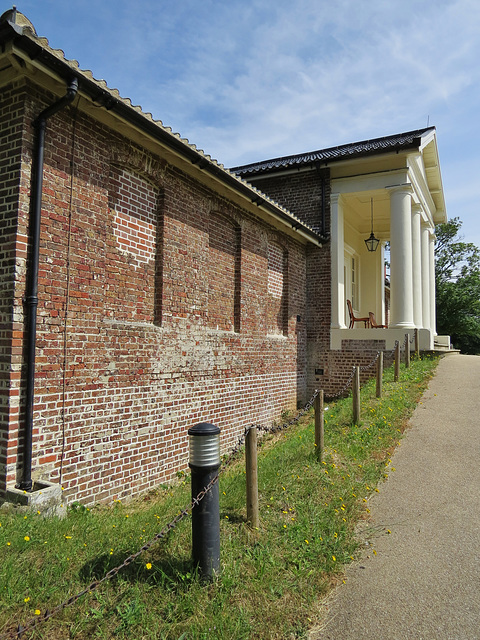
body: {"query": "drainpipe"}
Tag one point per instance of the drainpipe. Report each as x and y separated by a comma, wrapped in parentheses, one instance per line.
(323, 203)
(31, 297)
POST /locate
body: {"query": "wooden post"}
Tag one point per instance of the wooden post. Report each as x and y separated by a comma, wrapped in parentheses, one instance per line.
(251, 468)
(417, 344)
(379, 375)
(397, 362)
(356, 396)
(407, 350)
(319, 425)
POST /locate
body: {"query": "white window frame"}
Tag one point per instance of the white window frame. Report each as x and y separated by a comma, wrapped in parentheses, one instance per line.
(352, 279)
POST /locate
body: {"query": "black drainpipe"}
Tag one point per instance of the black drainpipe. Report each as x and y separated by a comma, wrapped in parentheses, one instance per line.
(323, 202)
(31, 297)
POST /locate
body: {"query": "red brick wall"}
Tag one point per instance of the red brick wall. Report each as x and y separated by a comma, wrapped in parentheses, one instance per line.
(301, 193)
(13, 254)
(135, 260)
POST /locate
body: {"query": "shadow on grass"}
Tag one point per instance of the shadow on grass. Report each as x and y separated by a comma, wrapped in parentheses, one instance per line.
(173, 573)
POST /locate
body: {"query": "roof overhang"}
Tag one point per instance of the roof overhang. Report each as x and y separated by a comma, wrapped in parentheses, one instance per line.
(24, 55)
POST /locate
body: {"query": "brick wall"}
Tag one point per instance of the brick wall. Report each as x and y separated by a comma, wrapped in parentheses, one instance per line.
(13, 255)
(304, 194)
(153, 310)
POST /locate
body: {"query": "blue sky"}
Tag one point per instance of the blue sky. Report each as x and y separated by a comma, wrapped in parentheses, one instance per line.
(247, 80)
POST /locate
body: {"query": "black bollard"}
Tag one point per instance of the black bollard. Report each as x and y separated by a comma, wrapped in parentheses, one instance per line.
(204, 441)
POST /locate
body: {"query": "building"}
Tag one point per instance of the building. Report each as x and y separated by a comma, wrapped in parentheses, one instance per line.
(145, 288)
(389, 188)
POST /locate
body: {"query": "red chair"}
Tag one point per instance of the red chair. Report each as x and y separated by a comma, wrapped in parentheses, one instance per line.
(353, 319)
(373, 323)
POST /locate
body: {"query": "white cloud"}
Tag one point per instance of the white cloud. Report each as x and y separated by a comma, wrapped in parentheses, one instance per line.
(250, 79)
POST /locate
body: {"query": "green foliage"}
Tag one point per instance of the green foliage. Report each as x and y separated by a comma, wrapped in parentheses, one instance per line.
(272, 578)
(457, 277)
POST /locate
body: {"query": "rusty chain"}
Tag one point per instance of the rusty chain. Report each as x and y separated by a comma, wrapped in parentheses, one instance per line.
(34, 622)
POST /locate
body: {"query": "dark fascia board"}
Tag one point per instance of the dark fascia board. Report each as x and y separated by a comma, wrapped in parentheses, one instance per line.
(12, 32)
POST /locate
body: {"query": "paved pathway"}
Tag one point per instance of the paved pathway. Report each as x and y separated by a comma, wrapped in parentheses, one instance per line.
(424, 581)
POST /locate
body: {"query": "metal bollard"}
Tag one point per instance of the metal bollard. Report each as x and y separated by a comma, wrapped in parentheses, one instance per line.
(204, 443)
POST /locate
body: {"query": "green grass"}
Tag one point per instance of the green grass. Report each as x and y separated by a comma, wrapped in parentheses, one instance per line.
(272, 578)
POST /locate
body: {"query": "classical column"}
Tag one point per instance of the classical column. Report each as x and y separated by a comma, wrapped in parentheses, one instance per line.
(417, 265)
(401, 260)
(337, 257)
(433, 314)
(426, 277)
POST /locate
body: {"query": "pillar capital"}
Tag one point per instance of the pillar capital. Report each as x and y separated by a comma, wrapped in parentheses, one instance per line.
(335, 198)
(406, 189)
(417, 208)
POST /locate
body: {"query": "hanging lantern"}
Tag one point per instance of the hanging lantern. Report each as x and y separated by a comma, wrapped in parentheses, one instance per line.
(372, 241)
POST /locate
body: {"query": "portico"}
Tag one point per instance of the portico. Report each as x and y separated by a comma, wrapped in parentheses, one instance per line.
(405, 194)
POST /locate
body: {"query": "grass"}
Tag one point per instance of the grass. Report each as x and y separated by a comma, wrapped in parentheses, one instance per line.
(272, 578)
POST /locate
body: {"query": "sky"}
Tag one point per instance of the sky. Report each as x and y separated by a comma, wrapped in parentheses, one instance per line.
(248, 80)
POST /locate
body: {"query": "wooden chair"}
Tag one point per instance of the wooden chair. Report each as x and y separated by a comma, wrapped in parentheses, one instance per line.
(373, 322)
(353, 319)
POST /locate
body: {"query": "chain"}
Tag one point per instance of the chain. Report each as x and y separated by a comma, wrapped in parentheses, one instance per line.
(289, 423)
(392, 351)
(34, 622)
(372, 363)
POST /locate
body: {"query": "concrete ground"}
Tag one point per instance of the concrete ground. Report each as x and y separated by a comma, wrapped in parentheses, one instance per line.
(422, 580)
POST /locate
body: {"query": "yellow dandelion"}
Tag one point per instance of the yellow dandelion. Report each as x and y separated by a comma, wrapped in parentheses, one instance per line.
(148, 565)
(27, 538)
(37, 612)
(9, 544)
(334, 558)
(26, 599)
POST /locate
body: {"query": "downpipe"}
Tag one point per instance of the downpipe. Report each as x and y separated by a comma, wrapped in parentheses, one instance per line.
(31, 294)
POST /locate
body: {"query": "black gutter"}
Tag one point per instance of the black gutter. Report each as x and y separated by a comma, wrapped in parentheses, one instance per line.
(31, 297)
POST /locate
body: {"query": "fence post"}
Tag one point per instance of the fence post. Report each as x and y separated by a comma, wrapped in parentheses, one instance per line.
(379, 375)
(251, 469)
(204, 444)
(407, 350)
(397, 362)
(417, 343)
(319, 425)
(356, 396)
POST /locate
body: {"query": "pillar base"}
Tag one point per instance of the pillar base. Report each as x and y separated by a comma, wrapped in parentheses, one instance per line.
(45, 497)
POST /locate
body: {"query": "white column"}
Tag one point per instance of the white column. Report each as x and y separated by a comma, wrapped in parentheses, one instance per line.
(401, 267)
(426, 277)
(433, 313)
(337, 257)
(417, 265)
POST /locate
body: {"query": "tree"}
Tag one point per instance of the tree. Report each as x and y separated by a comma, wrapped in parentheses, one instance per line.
(457, 278)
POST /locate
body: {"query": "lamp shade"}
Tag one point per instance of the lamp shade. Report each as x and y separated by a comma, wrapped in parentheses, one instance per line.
(372, 242)
(204, 440)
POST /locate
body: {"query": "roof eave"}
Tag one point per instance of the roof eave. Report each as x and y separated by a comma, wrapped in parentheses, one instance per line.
(103, 97)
